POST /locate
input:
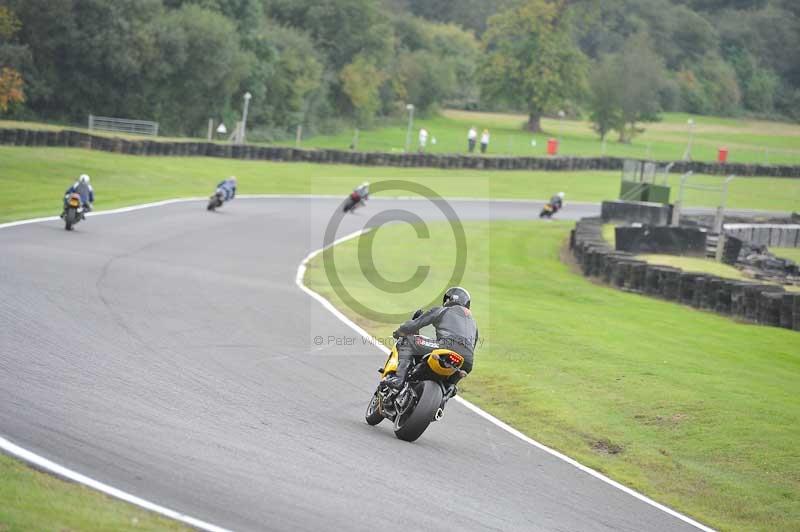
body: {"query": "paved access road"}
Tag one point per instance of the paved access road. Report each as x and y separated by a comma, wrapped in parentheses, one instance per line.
(168, 352)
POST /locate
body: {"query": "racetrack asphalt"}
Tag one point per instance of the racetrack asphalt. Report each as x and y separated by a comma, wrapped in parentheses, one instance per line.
(168, 352)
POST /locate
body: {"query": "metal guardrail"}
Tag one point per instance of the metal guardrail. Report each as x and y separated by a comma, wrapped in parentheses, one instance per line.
(123, 125)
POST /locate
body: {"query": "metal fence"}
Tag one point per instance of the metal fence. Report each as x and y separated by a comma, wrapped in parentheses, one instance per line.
(123, 125)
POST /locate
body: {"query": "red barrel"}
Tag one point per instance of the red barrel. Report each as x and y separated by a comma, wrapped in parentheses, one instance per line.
(552, 146)
(722, 155)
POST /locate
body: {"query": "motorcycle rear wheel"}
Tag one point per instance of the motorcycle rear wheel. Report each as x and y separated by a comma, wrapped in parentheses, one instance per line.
(410, 425)
(70, 218)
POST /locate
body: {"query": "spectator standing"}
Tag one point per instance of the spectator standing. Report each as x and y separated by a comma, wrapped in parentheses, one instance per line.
(423, 139)
(472, 139)
(484, 140)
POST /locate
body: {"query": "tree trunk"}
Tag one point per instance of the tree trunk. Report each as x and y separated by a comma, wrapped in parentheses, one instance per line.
(534, 124)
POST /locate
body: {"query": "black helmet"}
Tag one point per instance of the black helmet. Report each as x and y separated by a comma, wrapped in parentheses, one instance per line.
(456, 296)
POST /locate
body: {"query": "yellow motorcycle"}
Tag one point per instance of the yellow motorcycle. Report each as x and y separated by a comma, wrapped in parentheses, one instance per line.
(73, 211)
(424, 395)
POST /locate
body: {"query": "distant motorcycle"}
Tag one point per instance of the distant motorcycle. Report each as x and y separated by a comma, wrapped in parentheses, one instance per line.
(216, 200)
(353, 201)
(548, 210)
(74, 211)
(422, 399)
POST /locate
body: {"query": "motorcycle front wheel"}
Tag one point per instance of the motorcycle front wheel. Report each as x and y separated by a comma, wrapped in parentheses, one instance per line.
(410, 425)
(373, 415)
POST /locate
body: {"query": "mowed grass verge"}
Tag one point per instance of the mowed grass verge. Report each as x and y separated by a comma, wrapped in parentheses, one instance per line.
(691, 408)
(30, 500)
(33, 181)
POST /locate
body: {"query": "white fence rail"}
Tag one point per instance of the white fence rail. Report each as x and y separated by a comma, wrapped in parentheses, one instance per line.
(123, 125)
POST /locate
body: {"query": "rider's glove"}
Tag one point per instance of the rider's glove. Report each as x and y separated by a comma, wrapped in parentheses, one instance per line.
(396, 335)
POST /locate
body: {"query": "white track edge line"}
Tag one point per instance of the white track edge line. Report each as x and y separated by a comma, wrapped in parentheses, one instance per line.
(301, 270)
(63, 472)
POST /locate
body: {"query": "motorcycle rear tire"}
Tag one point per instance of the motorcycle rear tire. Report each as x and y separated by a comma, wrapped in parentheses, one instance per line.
(70, 219)
(409, 427)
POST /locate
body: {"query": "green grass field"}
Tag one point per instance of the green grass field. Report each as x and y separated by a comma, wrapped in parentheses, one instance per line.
(34, 180)
(696, 410)
(748, 141)
(787, 253)
(30, 500)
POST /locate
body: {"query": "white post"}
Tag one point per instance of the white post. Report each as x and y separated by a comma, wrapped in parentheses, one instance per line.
(247, 97)
(410, 109)
(719, 218)
(210, 129)
(91, 122)
(676, 209)
(687, 154)
(298, 135)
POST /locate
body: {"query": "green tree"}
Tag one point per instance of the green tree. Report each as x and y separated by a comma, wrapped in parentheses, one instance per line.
(469, 14)
(11, 84)
(641, 73)
(605, 99)
(206, 67)
(361, 82)
(287, 71)
(530, 60)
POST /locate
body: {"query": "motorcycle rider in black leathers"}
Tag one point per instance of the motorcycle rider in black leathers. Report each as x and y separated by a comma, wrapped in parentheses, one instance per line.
(455, 330)
(557, 202)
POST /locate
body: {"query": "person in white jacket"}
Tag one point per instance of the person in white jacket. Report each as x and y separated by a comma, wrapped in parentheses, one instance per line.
(423, 139)
(472, 139)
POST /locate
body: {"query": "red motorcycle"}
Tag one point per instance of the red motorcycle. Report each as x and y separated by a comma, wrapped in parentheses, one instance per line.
(353, 200)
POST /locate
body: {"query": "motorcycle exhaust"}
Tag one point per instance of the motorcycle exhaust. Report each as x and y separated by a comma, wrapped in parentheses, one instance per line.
(438, 415)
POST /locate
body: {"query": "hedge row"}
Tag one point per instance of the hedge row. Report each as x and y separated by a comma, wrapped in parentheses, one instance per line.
(24, 137)
(758, 303)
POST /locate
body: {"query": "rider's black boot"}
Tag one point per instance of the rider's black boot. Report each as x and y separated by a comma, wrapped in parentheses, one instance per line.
(397, 380)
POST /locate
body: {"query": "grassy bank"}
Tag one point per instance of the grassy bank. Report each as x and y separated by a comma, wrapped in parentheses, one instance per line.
(691, 408)
(34, 179)
(748, 141)
(30, 500)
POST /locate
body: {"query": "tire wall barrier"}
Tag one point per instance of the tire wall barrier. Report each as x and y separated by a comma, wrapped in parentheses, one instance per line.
(770, 235)
(79, 139)
(661, 239)
(746, 301)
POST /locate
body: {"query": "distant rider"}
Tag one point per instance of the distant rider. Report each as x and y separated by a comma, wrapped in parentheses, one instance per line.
(455, 329)
(557, 201)
(361, 192)
(84, 189)
(228, 188)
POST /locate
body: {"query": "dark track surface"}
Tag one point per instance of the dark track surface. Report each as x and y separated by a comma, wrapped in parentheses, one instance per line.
(167, 352)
